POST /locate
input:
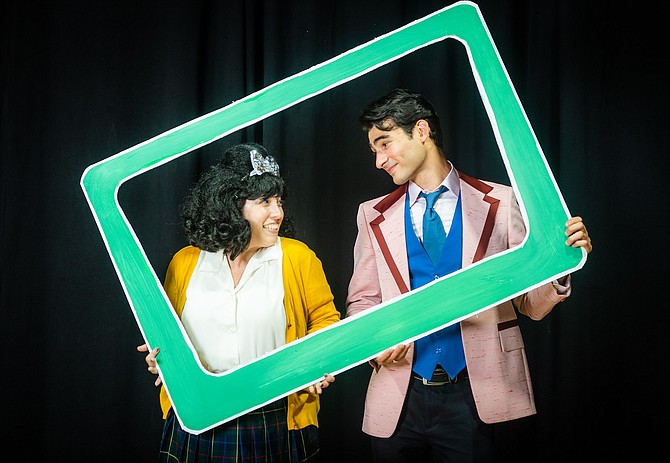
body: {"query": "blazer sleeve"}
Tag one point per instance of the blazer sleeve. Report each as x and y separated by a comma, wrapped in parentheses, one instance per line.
(364, 287)
(539, 302)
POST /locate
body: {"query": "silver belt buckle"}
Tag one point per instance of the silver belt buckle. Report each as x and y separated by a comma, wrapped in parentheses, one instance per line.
(433, 383)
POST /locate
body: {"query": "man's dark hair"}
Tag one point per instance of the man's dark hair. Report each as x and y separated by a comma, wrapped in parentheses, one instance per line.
(212, 210)
(401, 108)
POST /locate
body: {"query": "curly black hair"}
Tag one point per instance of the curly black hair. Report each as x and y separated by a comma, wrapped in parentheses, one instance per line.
(212, 210)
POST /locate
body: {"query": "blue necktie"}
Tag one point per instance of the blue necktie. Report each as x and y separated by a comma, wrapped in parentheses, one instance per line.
(446, 343)
(433, 229)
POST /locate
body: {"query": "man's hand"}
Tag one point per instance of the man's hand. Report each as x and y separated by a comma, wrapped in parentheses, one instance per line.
(577, 235)
(391, 356)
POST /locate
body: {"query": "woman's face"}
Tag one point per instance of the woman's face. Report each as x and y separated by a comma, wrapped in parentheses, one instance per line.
(264, 217)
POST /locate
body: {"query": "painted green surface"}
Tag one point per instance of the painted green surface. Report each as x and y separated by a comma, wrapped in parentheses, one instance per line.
(203, 400)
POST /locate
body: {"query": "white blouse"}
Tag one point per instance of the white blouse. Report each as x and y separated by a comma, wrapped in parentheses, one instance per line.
(229, 325)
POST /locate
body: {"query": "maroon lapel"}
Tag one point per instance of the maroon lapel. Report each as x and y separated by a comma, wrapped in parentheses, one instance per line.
(397, 195)
(487, 230)
(381, 207)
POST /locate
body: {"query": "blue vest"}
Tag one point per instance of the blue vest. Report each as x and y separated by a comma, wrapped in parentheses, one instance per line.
(445, 346)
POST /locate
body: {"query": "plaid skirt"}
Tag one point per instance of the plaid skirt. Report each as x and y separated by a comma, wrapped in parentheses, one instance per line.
(259, 436)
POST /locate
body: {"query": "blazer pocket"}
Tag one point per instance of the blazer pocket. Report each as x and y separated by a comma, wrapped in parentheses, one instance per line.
(510, 335)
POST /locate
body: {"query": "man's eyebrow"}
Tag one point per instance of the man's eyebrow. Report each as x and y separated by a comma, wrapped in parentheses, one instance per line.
(381, 137)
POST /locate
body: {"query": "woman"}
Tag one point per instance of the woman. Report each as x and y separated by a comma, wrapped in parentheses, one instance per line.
(241, 291)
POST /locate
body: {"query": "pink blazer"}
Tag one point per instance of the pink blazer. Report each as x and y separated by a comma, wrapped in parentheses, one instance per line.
(494, 349)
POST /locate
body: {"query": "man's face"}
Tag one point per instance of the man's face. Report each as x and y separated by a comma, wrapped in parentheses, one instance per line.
(402, 156)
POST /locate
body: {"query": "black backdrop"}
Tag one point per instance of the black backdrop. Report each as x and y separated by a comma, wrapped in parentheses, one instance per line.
(82, 81)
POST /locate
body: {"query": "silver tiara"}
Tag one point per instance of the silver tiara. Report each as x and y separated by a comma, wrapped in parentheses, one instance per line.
(263, 164)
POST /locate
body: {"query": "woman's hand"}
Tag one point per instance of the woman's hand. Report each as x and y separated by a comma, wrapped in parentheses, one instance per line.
(151, 361)
(318, 387)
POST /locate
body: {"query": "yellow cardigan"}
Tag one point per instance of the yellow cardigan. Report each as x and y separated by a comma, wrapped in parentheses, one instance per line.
(308, 301)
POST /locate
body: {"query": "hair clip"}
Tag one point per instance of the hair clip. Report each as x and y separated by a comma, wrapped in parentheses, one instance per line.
(263, 164)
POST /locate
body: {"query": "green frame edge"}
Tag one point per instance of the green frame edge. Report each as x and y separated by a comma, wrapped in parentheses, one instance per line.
(202, 399)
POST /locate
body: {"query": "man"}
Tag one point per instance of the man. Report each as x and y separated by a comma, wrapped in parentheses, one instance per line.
(437, 397)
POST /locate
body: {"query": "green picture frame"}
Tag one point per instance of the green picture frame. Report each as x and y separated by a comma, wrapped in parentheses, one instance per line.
(202, 399)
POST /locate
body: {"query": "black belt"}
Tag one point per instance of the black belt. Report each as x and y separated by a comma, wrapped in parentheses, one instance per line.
(440, 378)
